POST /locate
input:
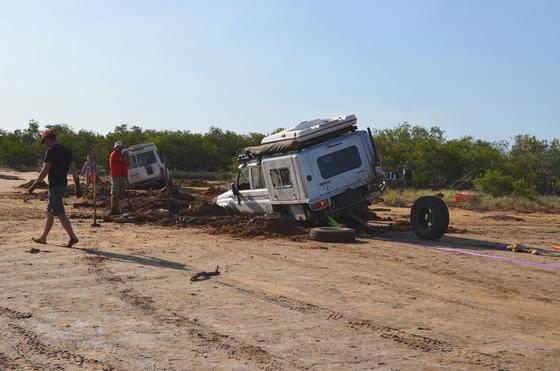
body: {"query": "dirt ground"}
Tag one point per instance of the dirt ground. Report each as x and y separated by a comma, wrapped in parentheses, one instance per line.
(123, 298)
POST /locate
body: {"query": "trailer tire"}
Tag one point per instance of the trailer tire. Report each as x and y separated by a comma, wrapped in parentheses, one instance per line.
(330, 234)
(429, 217)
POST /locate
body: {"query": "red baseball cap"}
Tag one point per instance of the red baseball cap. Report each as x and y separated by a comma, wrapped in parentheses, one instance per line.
(46, 133)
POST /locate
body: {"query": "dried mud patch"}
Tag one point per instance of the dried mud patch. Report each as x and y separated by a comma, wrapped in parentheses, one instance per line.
(455, 230)
(172, 206)
(42, 185)
(398, 226)
(9, 177)
(504, 218)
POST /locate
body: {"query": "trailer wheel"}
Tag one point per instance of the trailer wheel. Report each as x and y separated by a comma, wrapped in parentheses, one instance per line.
(330, 234)
(429, 217)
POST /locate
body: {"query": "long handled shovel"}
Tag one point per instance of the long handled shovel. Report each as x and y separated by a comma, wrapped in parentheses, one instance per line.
(94, 191)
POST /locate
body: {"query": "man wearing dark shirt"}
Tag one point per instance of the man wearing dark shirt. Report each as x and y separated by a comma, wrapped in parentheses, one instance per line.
(58, 160)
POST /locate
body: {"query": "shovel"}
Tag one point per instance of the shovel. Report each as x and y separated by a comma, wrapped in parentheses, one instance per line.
(94, 191)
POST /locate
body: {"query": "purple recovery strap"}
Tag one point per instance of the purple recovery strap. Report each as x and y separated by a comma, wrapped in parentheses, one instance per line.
(461, 251)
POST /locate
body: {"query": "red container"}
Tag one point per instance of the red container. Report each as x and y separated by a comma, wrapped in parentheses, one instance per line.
(465, 198)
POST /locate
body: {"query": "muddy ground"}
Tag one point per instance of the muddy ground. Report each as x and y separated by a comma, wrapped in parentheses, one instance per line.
(123, 298)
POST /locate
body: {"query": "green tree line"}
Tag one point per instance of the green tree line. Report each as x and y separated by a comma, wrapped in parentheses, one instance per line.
(183, 150)
(525, 165)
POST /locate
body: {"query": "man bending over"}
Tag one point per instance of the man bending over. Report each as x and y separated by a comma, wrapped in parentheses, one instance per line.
(58, 160)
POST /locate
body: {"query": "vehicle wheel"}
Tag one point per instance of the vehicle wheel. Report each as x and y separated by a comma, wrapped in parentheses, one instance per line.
(362, 212)
(429, 217)
(330, 234)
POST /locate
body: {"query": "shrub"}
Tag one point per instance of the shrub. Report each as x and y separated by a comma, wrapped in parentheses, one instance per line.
(522, 188)
(495, 183)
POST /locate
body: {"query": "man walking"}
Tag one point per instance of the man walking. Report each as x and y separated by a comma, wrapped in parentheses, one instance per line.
(58, 160)
(118, 163)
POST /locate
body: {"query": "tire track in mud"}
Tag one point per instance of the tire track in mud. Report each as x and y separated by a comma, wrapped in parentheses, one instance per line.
(35, 353)
(34, 346)
(14, 314)
(8, 363)
(413, 341)
(417, 342)
(198, 332)
(476, 358)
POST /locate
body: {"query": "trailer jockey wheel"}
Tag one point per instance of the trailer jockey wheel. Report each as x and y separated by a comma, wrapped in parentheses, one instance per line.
(429, 217)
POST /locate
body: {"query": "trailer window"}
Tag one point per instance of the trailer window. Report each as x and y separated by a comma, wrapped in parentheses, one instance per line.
(146, 158)
(339, 162)
(281, 177)
(257, 178)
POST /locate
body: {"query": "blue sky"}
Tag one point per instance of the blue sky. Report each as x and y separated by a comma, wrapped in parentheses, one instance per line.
(490, 69)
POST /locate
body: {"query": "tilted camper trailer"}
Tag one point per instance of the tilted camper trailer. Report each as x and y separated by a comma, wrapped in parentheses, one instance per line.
(319, 168)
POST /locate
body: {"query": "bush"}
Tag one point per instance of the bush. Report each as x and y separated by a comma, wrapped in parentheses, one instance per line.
(522, 188)
(495, 183)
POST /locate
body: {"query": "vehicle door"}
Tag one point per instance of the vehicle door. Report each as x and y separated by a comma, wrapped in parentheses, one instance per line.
(283, 180)
(134, 173)
(253, 195)
(342, 164)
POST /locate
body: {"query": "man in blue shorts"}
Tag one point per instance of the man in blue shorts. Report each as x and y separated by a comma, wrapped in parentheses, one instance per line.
(58, 160)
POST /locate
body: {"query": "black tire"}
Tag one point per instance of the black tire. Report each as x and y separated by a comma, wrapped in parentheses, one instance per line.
(429, 217)
(330, 234)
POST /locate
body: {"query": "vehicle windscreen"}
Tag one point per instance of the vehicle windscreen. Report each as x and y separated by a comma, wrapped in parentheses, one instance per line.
(133, 164)
(339, 162)
(146, 158)
(243, 182)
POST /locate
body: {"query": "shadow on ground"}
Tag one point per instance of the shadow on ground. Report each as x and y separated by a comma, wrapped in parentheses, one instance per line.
(446, 241)
(136, 259)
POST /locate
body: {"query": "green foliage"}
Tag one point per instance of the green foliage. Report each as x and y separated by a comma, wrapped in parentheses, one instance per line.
(536, 161)
(525, 167)
(213, 151)
(21, 148)
(522, 188)
(435, 161)
(495, 183)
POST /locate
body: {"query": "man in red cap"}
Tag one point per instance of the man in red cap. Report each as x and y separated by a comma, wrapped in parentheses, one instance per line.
(58, 160)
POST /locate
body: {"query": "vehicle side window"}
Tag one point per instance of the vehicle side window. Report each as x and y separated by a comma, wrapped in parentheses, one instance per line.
(281, 178)
(243, 182)
(146, 158)
(257, 178)
(339, 162)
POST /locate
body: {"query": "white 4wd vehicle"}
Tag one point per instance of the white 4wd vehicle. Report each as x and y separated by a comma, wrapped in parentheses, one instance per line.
(317, 169)
(146, 166)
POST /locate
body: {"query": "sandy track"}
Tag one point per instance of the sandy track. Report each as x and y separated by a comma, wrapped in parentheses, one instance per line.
(124, 300)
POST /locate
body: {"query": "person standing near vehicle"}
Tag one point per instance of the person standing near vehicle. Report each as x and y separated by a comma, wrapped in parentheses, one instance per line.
(118, 163)
(88, 170)
(58, 161)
